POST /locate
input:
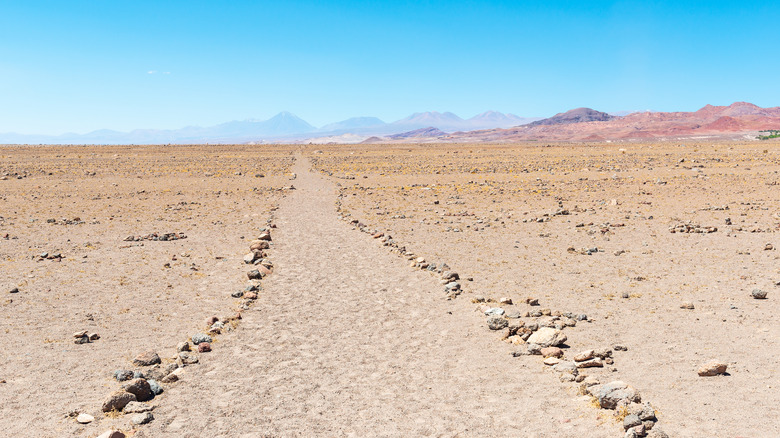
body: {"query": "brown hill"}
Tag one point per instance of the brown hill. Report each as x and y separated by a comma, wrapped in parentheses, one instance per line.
(735, 119)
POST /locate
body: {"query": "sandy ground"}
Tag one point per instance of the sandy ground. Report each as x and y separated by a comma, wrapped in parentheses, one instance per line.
(136, 295)
(346, 338)
(623, 201)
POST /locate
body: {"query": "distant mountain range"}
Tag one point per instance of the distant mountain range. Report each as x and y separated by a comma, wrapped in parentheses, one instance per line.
(283, 127)
(581, 124)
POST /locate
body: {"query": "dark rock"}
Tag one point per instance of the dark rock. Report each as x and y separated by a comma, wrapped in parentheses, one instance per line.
(200, 337)
(147, 358)
(140, 388)
(123, 375)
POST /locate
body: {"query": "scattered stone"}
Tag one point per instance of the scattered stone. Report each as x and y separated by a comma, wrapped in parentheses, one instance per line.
(85, 418)
(122, 375)
(142, 418)
(532, 301)
(264, 236)
(494, 311)
(547, 337)
(505, 300)
(135, 407)
(768, 247)
(758, 294)
(117, 401)
(80, 334)
(186, 358)
(147, 358)
(552, 352)
(591, 363)
(630, 421)
(687, 305)
(551, 361)
(201, 337)
(497, 323)
(140, 388)
(204, 347)
(566, 367)
(14, 290)
(610, 394)
(94, 336)
(478, 299)
(237, 294)
(534, 349)
(657, 433)
(111, 434)
(254, 274)
(170, 378)
(183, 346)
(618, 347)
(155, 387)
(585, 355)
(712, 368)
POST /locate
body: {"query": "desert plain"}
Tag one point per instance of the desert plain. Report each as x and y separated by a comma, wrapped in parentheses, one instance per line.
(650, 254)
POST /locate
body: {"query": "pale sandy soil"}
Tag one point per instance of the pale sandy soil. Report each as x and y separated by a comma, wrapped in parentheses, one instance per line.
(346, 339)
(659, 270)
(121, 290)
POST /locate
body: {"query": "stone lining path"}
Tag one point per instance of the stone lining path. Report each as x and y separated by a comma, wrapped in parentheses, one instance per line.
(346, 340)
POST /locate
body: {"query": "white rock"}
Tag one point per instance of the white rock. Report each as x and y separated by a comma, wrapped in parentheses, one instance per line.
(85, 418)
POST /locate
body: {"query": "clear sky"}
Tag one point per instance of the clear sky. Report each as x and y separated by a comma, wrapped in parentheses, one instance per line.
(84, 65)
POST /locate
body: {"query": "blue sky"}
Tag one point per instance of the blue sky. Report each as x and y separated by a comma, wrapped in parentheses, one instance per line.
(84, 65)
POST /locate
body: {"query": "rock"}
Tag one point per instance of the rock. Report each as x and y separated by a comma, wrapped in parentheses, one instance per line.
(547, 337)
(552, 352)
(494, 311)
(94, 336)
(497, 323)
(200, 337)
(204, 347)
(478, 299)
(254, 274)
(583, 356)
(453, 285)
(602, 353)
(250, 296)
(505, 300)
(111, 434)
(147, 358)
(136, 408)
(122, 375)
(142, 418)
(186, 358)
(140, 388)
(657, 433)
(618, 347)
(183, 346)
(534, 349)
(85, 418)
(170, 378)
(82, 340)
(80, 334)
(630, 421)
(258, 245)
(687, 305)
(566, 367)
(647, 413)
(14, 290)
(768, 247)
(591, 363)
(117, 401)
(155, 387)
(264, 236)
(610, 394)
(211, 320)
(551, 361)
(532, 301)
(712, 368)
(758, 294)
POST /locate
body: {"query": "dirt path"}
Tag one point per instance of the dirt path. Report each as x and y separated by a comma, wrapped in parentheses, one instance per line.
(347, 340)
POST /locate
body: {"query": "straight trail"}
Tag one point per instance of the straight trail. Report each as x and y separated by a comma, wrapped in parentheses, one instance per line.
(347, 340)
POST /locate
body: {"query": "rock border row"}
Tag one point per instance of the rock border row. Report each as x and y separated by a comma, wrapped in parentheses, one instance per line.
(140, 386)
(542, 335)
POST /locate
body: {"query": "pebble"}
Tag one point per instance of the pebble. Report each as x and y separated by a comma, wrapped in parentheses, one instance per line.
(183, 346)
(552, 361)
(610, 394)
(140, 388)
(758, 294)
(618, 347)
(254, 274)
(657, 433)
(201, 337)
(591, 363)
(122, 375)
(547, 337)
(170, 378)
(147, 358)
(117, 401)
(552, 352)
(712, 368)
(497, 323)
(505, 300)
(135, 407)
(111, 434)
(155, 387)
(583, 356)
(186, 358)
(687, 305)
(204, 347)
(85, 418)
(143, 418)
(496, 311)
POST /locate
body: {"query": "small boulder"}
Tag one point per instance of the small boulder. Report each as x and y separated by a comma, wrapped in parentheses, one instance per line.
(547, 337)
(136, 408)
(712, 368)
(147, 358)
(758, 294)
(200, 337)
(631, 420)
(204, 347)
(552, 352)
(117, 401)
(140, 388)
(183, 346)
(85, 418)
(144, 418)
(497, 323)
(111, 434)
(585, 355)
(254, 274)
